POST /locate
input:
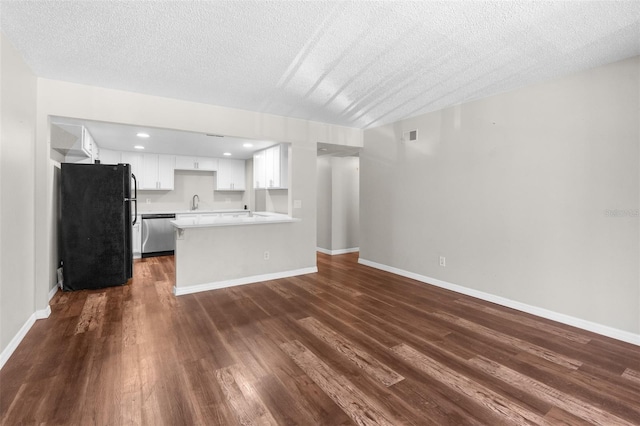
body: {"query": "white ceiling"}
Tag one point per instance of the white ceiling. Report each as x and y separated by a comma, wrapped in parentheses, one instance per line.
(351, 63)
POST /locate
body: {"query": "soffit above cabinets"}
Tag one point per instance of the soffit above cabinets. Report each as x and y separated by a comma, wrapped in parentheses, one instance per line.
(123, 137)
(333, 150)
(351, 63)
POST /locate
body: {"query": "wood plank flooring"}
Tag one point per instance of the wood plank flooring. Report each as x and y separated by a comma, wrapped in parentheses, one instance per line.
(348, 345)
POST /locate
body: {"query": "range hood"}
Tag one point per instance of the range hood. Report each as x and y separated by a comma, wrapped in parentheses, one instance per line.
(70, 139)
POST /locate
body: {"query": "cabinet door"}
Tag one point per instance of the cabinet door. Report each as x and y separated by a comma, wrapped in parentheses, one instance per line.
(87, 141)
(230, 175)
(284, 166)
(223, 176)
(196, 163)
(148, 178)
(207, 163)
(185, 163)
(272, 172)
(157, 171)
(272, 167)
(239, 175)
(109, 157)
(259, 170)
(136, 164)
(268, 167)
(166, 167)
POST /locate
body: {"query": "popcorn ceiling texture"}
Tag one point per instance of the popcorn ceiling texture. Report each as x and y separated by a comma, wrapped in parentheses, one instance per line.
(357, 64)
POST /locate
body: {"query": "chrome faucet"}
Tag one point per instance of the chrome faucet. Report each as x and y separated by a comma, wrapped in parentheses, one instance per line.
(194, 205)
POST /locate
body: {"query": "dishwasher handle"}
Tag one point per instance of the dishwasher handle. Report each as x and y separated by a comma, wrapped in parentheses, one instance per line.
(145, 234)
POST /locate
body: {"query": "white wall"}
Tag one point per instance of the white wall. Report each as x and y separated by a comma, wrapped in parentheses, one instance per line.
(17, 195)
(323, 232)
(87, 102)
(514, 190)
(338, 203)
(345, 221)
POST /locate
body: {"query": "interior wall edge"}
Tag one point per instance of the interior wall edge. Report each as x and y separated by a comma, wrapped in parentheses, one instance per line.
(339, 251)
(180, 291)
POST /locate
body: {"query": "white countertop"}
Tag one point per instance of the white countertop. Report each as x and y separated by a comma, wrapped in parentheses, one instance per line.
(257, 218)
(191, 211)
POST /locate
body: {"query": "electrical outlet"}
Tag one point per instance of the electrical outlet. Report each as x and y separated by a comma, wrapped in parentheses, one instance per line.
(443, 261)
(297, 204)
(266, 255)
(148, 200)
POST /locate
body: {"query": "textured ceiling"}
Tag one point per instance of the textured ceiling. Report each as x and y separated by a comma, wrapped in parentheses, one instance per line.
(358, 64)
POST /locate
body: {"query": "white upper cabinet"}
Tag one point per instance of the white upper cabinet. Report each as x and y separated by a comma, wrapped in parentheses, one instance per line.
(259, 174)
(108, 156)
(87, 142)
(135, 160)
(230, 175)
(271, 167)
(207, 163)
(196, 163)
(156, 172)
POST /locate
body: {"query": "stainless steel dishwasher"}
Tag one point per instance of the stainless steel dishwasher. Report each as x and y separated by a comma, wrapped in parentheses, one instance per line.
(157, 235)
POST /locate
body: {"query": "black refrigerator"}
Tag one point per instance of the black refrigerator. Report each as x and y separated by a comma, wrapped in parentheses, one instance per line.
(96, 224)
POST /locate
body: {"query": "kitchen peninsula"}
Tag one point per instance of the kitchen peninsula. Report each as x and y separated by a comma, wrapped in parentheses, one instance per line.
(221, 251)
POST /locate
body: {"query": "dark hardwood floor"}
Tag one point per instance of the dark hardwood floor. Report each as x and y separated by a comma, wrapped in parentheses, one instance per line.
(348, 345)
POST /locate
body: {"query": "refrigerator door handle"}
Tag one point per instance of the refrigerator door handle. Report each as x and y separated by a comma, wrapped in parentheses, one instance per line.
(135, 198)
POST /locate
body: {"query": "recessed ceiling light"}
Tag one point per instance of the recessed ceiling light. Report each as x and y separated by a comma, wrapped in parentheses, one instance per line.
(142, 135)
(139, 147)
(227, 154)
(247, 145)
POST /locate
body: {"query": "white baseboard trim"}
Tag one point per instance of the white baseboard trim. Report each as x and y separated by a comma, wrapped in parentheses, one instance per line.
(53, 292)
(604, 330)
(340, 251)
(179, 291)
(43, 313)
(13, 344)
